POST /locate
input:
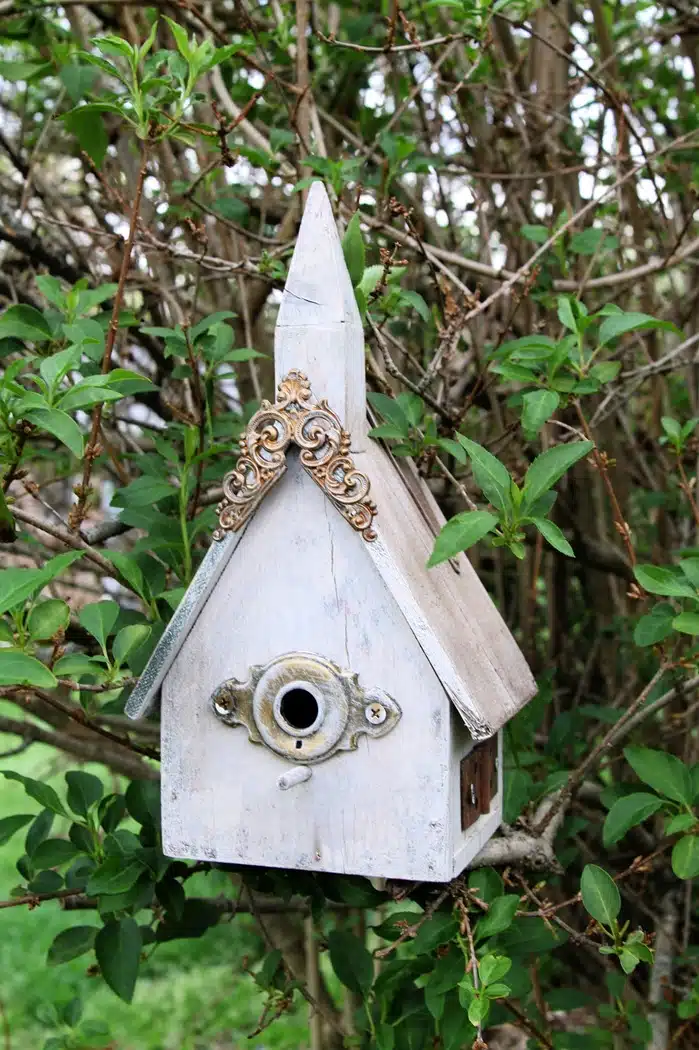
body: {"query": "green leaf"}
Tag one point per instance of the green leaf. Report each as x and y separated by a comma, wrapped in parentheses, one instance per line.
(387, 431)
(84, 790)
(566, 314)
(48, 618)
(516, 373)
(88, 127)
(385, 1036)
(391, 410)
(539, 405)
(52, 852)
(551, 465)
(492, 968)
(54, 368)
(209, 322)
(114, 45)
(243, 353)
(39, 830)
(665, 773)
(626, 813)
(351, 962)
(19, 669)
(98, 619)
(491, 475)
(478, 1011)
(87, 394)
(656, 626)
(233, 208)
(61, 425)
(687, 623)
(685, 857)
(460, 533)
(353, 250)
(586, 242)
(25, 323)
(438, 929)
(680, 822)
(143, 492)
(660, 580)
(616, 325)
(538, 234)
(8, 530)
(605, 371)
(16, 71)
(41, 793)
(416, 301)
(453, 1028)
(118, 950)
(448, 971)
(171, 895)
(672, 428)
(114, 875)
(370, 279)
(528, 348)
(498, 991)
(554, 536)
(453, 448)
(518, 791)
(77, 80)
(128, 639)
(690, 568)
(413, 406)
(130, 570)
(143, 802)
(71, 943)
(600, 894)
(11, 825)
(499, 916)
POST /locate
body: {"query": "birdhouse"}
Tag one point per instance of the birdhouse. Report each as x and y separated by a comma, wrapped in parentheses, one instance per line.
(327, 702)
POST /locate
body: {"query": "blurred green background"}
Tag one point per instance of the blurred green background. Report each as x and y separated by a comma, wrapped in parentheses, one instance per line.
(192, 994)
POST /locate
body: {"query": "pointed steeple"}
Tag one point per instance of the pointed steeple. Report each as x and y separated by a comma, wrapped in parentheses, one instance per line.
(319, 330)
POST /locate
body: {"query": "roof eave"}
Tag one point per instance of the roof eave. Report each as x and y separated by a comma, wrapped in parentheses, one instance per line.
(146, 695)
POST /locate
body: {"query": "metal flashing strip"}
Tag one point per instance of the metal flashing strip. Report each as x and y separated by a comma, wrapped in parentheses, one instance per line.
(143, 698)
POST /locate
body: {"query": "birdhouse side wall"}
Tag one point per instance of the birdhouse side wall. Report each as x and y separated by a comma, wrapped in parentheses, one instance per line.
(301, 580)
(468, 841)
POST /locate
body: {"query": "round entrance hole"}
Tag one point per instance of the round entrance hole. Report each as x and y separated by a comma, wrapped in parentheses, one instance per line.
(299, 708)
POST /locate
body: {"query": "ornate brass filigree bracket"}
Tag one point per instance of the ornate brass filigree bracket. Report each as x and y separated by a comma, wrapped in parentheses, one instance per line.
(324, 445)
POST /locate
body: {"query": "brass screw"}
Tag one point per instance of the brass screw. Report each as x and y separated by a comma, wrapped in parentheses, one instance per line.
(375, 714)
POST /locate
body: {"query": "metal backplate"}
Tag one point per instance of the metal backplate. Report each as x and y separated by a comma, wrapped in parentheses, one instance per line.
(304, 707)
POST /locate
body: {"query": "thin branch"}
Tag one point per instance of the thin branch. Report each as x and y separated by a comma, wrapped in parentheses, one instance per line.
(92, 449)
(611, 736)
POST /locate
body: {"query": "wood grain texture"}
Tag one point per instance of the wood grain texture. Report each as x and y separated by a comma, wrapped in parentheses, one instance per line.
(454, 619)
(466, 844)
(302, 580)
(319, 330)
(145, 695)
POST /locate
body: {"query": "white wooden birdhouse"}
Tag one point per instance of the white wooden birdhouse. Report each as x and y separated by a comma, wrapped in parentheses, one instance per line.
(327, 702)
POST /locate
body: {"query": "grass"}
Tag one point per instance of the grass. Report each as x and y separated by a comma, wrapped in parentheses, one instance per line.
(191, 995)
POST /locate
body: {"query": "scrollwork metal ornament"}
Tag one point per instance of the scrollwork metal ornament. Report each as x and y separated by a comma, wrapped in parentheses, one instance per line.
(324, 453)
(345, 709)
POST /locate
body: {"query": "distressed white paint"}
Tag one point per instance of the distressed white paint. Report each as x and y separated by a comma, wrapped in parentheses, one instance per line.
(319, 330)
(302, 580)
(143, 697)
(451, 614)
(465, 845)
(295, 776)
(298, 578)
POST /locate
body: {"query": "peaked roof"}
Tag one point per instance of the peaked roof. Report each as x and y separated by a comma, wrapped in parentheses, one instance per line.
(447, 608)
